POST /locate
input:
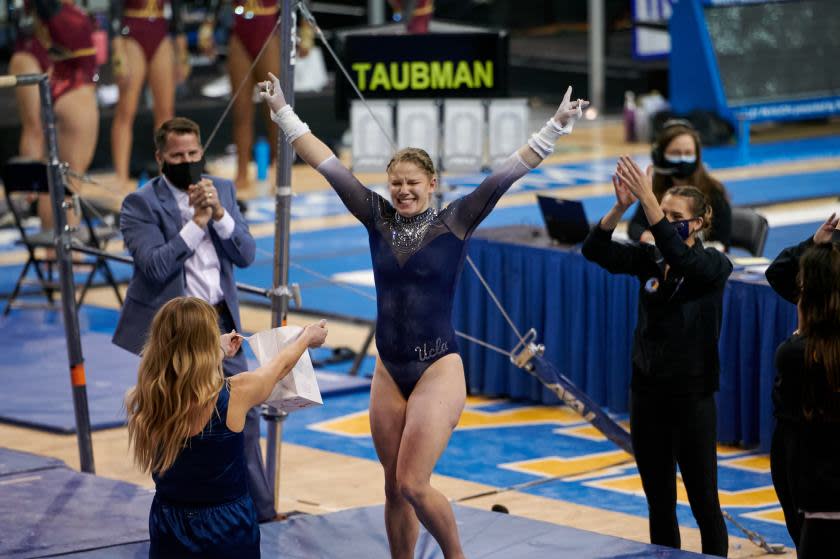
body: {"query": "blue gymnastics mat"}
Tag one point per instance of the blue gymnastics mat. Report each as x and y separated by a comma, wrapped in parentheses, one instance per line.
(15, 462)
(36, 379)
(56, 511)
(360, 533)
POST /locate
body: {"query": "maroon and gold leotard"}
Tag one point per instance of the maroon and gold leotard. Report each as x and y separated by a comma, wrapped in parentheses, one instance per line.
(145, 22)
(253, 22)
(71, 45)
(31, 36)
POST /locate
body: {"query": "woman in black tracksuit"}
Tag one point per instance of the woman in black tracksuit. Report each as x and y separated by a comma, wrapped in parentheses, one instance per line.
(805, 452)
(673, 416)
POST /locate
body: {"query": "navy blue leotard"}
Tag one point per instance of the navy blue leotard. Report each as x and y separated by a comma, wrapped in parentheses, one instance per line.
(416, 265)
(202, 506)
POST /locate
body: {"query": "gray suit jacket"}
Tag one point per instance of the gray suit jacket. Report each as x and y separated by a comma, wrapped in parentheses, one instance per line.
(150, 222)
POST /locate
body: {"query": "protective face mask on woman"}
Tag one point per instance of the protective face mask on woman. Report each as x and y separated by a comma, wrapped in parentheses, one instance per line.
(680, 166)
(683, 230)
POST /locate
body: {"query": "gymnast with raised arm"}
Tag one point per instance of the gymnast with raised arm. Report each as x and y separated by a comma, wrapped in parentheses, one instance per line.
(418, 388)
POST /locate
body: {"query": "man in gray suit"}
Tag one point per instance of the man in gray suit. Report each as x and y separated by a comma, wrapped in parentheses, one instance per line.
(185, 233)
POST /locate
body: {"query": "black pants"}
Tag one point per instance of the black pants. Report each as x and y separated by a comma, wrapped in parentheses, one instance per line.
(258, 484)
(783, 451)
(668, 431)
(818, 538)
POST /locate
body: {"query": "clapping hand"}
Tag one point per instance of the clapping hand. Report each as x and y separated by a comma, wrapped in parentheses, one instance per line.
(204, 197)
(272, 94)
(569, 111)
(623, 195)
(826, 230)
(639, 183)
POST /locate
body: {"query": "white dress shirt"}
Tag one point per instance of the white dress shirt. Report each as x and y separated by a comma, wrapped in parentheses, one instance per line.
(202, 268)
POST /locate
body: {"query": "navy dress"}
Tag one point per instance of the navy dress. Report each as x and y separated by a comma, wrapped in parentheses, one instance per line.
(416, 265)
(202, 507)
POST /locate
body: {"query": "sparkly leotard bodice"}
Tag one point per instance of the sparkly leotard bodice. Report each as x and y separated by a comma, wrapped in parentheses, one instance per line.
(416, 265)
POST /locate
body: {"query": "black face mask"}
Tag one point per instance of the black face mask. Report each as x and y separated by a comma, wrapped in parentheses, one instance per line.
(182, 175)
(682, 227)
(679, 167)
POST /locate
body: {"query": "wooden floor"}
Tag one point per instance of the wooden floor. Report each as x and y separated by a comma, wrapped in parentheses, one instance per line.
(339, 481)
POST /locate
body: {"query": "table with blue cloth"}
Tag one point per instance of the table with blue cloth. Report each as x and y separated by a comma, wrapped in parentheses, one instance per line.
(586, 316)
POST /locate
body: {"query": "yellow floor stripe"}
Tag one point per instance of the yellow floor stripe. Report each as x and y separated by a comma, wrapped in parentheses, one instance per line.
(754, 497)
(552, 466)
(775, 515)
(357, 424)
(759, 463)
(587, 431)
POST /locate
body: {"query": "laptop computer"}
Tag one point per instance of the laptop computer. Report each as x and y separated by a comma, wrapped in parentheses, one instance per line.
(565, 220)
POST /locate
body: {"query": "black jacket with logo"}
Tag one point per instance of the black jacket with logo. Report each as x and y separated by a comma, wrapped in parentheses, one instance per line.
(675, 350)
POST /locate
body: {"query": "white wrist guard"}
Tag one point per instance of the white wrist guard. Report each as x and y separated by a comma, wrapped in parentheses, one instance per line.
(542, 142)
(291, 125)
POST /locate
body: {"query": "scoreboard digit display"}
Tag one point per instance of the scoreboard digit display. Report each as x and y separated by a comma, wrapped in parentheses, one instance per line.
(755, 60)
(776, 51)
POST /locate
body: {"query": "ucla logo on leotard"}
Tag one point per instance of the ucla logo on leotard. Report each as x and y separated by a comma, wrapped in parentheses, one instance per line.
(652, 285)
(425, 353)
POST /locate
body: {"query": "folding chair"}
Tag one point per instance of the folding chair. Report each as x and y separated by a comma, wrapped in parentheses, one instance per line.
(749, 230)
(24, 180)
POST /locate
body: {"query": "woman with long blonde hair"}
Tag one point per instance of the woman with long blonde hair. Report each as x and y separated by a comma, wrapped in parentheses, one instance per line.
(185, 422)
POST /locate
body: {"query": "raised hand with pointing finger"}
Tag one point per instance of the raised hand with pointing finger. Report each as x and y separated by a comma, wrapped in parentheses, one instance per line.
(281, 112)
(272, 94)
(560, 124)
(569, 111)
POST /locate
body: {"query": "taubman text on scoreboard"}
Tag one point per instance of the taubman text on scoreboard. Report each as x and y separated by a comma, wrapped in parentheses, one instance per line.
(420, 75)
(438, 65)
